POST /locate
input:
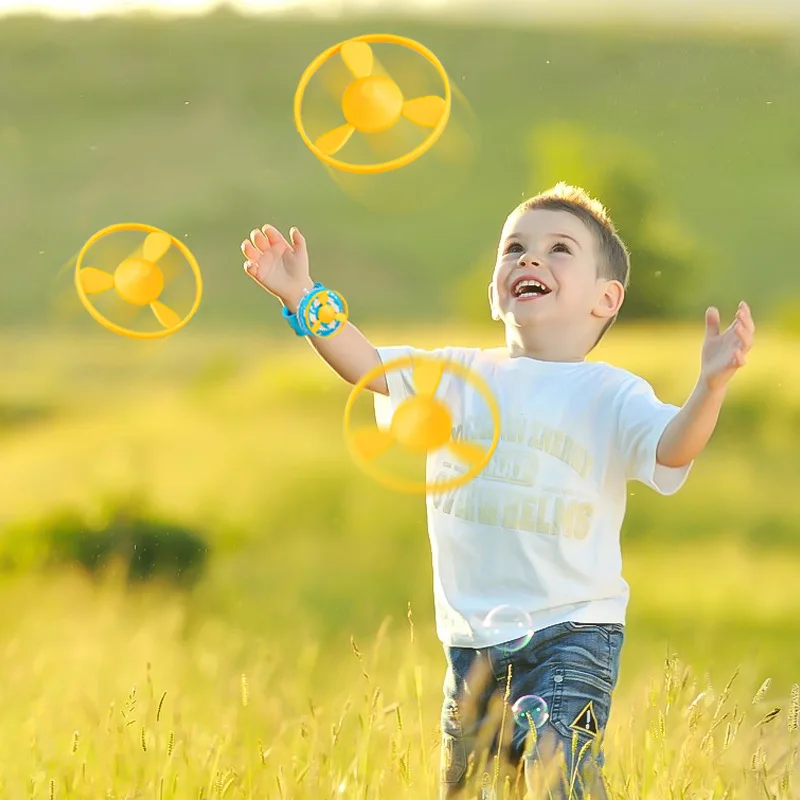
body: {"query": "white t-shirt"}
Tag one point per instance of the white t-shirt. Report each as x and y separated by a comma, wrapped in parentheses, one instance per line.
(539, 528)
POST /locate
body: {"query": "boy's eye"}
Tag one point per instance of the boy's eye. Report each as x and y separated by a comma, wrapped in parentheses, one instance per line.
(561, 247)
(514, 247)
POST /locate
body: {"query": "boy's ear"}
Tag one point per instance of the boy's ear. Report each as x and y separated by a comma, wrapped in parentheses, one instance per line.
(610, 300)
(493, 303)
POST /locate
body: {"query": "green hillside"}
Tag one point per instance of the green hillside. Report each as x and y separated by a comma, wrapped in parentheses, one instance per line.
(187, 125)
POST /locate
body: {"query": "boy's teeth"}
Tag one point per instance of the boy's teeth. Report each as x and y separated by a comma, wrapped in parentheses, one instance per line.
(539, 287)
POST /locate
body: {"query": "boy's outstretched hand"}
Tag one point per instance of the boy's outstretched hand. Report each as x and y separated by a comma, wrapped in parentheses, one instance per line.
(278, 266)
(724, 353)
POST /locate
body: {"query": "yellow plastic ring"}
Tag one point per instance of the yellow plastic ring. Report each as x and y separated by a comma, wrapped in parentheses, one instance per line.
(421, 487)
(395, 163)
(112, 326)
(337, 330)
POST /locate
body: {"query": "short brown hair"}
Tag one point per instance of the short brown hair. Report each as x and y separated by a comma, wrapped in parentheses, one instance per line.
(614, 259)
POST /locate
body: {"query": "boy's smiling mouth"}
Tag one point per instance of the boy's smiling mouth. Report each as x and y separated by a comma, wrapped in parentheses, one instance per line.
(526, 287)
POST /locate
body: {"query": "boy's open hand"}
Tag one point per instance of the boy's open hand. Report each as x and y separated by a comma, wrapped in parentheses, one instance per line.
(723, 353)
(278, 266)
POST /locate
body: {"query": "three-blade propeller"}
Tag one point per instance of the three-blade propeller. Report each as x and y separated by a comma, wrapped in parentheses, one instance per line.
(373, 103)
(371, 442)
(137, 279)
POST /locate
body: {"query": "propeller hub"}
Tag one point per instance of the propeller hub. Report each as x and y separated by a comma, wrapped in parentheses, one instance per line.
(138, 281)
(372, 104)
(327, 314)
(421, 424)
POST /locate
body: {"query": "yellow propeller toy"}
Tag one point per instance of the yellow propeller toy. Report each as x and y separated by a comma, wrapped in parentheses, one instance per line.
(138, 280)
(420, 424)
(374, 103)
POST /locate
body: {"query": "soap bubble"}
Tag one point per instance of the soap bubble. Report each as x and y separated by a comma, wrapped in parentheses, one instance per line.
(530, 712)
(509, 625)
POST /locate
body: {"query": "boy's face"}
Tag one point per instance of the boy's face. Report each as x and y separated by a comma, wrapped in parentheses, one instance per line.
(547, 271)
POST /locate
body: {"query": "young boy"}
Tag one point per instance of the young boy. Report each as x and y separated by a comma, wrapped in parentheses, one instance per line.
(538, 529)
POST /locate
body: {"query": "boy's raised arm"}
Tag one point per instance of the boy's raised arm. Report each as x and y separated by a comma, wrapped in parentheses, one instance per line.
(282, 269)
(722, 355)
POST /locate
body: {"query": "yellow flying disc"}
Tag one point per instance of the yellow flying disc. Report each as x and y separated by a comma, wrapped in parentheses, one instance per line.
(374, 103)
(138, 280)
(420, 424)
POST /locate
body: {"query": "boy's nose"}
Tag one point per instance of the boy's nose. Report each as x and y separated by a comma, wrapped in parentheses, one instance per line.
(529, 261)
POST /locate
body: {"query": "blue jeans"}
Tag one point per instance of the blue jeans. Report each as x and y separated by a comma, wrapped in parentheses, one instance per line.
(573, 667)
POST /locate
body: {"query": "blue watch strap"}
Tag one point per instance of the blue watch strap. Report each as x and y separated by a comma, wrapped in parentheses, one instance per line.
(296, 320)
(294, 323)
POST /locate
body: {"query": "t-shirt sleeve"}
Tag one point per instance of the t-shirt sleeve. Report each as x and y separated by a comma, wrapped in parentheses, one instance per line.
(642, 419)
(401, 382)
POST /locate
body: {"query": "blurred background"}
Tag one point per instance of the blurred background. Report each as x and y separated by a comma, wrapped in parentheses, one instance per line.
(181, 516)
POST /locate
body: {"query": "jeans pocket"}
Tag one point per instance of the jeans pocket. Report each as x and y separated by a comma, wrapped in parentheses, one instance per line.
(581, 703)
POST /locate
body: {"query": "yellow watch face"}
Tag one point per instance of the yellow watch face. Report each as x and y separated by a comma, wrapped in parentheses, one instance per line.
(325, 313)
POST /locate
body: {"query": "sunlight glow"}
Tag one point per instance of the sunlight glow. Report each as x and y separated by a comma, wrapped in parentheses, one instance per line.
(89, 8)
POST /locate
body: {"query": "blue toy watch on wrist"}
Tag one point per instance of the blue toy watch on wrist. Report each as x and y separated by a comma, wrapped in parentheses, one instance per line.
(321, 312)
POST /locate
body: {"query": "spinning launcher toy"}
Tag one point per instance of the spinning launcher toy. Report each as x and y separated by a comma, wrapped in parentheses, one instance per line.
(321, 313)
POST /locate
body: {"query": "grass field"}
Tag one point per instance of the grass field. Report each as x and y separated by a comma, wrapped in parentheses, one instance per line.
(187, 125)
(109, 696)
(239, 436)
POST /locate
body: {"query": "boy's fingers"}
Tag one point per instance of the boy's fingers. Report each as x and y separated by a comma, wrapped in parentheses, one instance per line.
(274, 236)
(251, 252)
(298, 241)
(745, 335)
(259, 240)
(712, 321)
(746, 317)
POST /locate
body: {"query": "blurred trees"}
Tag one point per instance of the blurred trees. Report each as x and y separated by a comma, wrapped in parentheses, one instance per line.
(125, 533)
